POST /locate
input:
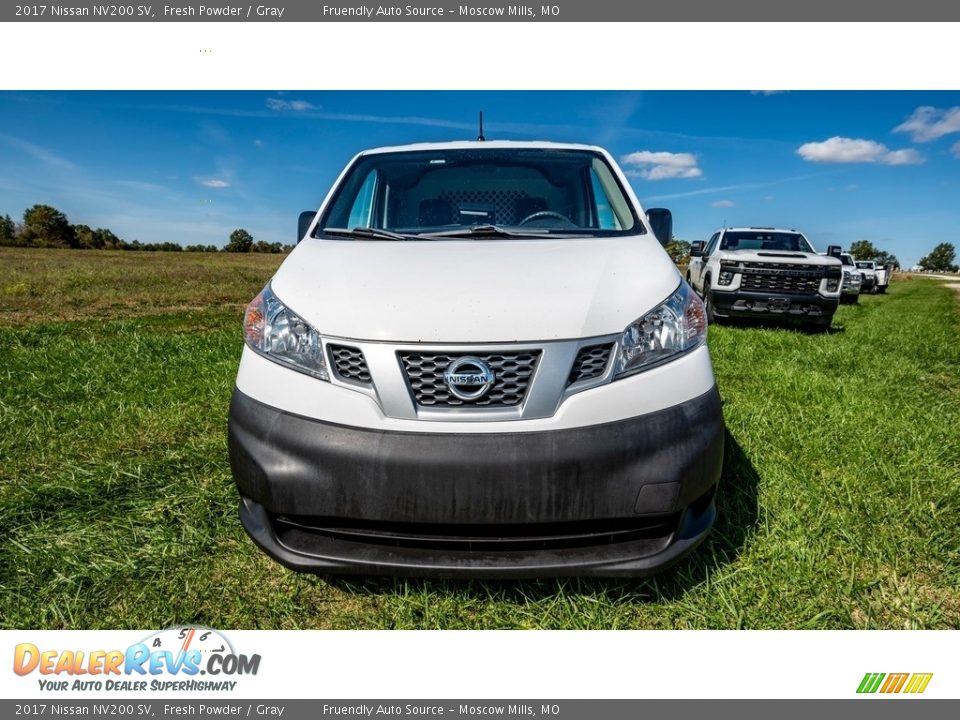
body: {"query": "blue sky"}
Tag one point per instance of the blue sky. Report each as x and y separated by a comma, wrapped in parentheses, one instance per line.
(192, 166)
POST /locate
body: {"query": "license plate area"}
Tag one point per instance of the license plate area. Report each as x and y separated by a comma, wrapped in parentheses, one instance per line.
(778, 304)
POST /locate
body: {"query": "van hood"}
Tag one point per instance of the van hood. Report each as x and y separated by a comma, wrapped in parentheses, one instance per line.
(475, 290)
(778, 256)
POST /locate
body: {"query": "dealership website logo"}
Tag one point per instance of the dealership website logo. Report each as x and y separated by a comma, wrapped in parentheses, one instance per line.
(894, 683)
(174, 659)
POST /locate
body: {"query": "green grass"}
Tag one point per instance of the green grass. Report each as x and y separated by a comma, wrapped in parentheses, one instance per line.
(839, 505)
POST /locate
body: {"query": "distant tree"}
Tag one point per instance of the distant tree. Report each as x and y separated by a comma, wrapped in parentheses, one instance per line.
(677, 249)
(45, 226)
(884, 258)
(940, 259)
(863, 250)
(106, 240)
(287, 248)
(240, 242)
(866, 250)
(8, 231)
(86, 238)
(262, 246)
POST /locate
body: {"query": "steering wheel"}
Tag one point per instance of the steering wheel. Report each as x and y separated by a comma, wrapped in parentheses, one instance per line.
(545, 214)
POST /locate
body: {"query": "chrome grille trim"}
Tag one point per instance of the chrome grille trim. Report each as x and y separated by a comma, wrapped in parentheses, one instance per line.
(548, 385)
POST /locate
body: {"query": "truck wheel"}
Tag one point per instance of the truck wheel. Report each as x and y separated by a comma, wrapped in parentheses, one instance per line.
(708, 303)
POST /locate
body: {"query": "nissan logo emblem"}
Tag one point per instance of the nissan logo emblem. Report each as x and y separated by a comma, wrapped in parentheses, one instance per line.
(468, 378)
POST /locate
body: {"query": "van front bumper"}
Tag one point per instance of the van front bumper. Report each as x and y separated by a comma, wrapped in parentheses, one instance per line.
(625, 498)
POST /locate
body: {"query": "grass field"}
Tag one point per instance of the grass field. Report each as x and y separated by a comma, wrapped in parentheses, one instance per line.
(839, 505)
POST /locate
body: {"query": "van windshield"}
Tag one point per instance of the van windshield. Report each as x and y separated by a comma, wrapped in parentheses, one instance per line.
(513, 191)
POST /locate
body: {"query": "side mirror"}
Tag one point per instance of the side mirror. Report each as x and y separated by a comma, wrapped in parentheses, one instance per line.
(661, 221)
(303, 224)
(696, 248)
(834, 251)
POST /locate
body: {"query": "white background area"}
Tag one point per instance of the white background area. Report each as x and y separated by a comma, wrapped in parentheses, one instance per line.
(505, 664)
(479, 55)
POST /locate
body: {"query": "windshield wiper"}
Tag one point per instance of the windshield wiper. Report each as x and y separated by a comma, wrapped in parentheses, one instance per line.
(368, 232)
(487, 231)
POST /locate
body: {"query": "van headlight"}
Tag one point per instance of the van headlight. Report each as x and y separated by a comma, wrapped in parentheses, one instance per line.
(676, 326)
(273, 330)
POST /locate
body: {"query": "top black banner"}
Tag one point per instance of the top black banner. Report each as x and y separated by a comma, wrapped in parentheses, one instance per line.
(472, 11)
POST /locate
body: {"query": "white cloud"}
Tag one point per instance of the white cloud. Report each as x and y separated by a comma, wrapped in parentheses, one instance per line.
(850, 188)
(213, 182)
(722, 204)
(768, 198)
(287, 105)
(929, 123)
(768, 92)
(856, 150)
(956, 150)
(662, 165)
(258, 143)
(907, 156)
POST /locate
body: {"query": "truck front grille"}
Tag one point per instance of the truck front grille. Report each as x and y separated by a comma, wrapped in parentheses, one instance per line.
(349, 364)
(512, 372)
(590, 363)
(781, 278)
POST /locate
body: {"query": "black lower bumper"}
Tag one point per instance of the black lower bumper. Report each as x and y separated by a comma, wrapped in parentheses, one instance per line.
(744, 304)
(620, 499)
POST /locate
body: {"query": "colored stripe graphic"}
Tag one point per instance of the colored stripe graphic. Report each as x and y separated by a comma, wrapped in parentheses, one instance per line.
(894, 683)
(870, 682)
(918, 682)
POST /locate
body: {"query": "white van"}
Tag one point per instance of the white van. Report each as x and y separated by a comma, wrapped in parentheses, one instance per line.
(478, 361)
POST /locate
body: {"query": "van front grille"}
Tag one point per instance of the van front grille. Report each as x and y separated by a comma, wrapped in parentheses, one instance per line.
(590, 363)
(512, 373)
(349, 364)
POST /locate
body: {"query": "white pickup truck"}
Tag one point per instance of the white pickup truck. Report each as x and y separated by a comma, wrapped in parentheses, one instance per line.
(876, 277)
(754, 272)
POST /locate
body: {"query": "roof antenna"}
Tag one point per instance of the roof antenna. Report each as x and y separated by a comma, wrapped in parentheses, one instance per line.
(481, 137)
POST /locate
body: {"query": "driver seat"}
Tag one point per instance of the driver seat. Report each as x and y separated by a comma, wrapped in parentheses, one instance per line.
(527, 206)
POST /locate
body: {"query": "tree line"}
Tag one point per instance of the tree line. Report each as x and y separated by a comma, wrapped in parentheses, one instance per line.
(44, 226)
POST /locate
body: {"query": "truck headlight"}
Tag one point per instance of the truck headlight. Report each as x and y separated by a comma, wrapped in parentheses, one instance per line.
(273, 330)
(676, 326)
(726, 274)
(833, 275)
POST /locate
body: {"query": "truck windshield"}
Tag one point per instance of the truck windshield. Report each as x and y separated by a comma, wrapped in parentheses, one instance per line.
(764, 240)
(508, 192)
